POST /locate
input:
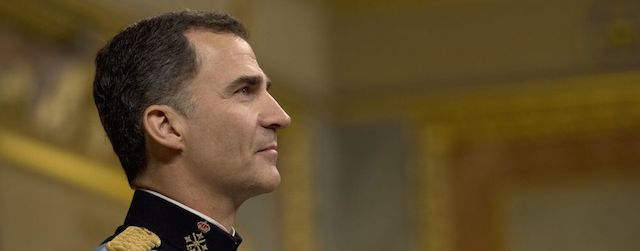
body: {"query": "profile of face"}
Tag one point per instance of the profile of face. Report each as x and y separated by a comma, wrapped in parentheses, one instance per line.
(230, 141)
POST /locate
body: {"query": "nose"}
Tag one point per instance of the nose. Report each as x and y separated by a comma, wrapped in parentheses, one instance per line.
(273, 116)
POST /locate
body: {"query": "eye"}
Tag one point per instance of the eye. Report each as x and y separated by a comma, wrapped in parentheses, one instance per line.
(246, 90)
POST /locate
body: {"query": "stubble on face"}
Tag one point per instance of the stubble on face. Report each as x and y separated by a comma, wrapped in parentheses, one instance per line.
(230, 149)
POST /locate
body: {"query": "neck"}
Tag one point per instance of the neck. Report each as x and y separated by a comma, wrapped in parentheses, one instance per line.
(177, 187)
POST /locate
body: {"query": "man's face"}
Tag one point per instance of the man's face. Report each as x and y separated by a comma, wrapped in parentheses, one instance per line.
(231, 143)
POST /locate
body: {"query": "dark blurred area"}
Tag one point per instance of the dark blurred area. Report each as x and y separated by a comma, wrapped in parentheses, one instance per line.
(462, 125)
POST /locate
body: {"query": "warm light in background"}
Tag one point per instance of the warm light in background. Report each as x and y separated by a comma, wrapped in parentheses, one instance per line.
(417, 125)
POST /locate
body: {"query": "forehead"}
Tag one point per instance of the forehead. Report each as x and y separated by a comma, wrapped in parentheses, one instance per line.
(222, 58)
(219, 48)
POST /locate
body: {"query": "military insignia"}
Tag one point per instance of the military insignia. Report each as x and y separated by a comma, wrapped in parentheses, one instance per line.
(204, 227)
(196, 242)
(134, 239)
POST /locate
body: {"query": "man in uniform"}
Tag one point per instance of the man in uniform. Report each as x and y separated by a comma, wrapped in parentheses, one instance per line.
(189, 115)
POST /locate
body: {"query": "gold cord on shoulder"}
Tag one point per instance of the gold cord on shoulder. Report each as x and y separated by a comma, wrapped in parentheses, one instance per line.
(134, 239)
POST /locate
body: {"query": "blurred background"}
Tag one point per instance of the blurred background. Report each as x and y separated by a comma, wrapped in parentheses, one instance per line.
(439, 125)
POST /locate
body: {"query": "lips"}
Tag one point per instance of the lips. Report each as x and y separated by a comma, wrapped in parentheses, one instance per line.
(269, 147)
(269, 152)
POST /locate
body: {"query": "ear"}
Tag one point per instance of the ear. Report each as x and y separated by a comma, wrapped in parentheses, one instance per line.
(164, 125)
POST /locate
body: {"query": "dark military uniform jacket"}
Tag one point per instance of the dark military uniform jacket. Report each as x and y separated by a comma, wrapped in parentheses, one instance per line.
(154, 223)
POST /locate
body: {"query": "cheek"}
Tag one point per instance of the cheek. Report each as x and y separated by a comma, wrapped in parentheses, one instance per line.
(233, 132)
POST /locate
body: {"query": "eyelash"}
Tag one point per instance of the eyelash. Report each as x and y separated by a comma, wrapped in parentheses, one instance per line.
(246, 90)
(249, 89)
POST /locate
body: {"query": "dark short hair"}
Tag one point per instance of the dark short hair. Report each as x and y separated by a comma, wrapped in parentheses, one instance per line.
(149, 63)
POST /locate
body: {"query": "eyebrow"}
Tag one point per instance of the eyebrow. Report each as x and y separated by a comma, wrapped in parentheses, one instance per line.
(251, 80)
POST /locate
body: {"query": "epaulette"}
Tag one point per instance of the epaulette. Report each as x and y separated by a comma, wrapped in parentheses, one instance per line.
(134, 239)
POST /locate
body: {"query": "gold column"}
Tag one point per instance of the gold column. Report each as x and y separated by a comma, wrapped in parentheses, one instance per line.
(295, 190)
(436, 226)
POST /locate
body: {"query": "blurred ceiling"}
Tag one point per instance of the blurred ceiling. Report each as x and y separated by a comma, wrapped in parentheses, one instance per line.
(358, 46)
(483, 42)
(60, 19)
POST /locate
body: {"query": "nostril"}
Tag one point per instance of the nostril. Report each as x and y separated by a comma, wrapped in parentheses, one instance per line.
(274, 126)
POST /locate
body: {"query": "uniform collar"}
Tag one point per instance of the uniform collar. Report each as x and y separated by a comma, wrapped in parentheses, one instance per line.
(193, 211)
(176, 226)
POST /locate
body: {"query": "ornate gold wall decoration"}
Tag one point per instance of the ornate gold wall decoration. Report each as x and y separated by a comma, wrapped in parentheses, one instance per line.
(588, 106)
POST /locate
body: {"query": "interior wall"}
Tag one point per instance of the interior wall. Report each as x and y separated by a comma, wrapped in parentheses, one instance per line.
(366, 195)
(36, 211)
(590, 216)
(510, 194)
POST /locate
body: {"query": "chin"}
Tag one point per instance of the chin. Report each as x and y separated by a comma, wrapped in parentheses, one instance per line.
(264, 181)
(271, 182)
